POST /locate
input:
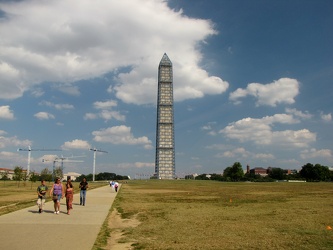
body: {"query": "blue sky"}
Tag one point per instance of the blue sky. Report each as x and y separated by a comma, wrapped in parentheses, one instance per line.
(252, 83)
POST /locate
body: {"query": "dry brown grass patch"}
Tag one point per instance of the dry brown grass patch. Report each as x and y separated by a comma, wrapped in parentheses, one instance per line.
(217, 215)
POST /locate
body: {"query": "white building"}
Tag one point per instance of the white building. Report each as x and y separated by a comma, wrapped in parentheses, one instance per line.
(72, 175)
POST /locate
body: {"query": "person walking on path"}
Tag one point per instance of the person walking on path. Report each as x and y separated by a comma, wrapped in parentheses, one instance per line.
(57, 192)
(116, 185)
(112, 184)
(41, 192)
(83, 191)
(69, 196)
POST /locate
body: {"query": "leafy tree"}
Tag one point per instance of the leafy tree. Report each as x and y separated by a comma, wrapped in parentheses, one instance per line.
(106, 176)
(323, 172)
(58, 173)
(80, 178)
(46, 175)
(121, 177)
(306, 171)
(202, 177)
(18, 174)
(253, 177)
(227, 172)
(88, 177)
(102, 177)
(216, 177)
(25, 177)
(277, 174)
(33, 178)
(4, 175)
(315, 172)
(235, 173)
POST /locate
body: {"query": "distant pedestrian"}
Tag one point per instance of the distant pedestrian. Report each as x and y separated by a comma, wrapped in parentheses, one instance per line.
(57, 192)
(69, 196)
(83, 191)
(41, 192)
(116, 185)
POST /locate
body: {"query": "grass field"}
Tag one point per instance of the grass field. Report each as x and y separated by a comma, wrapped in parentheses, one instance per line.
(15, 196)
(203, 215)
(218, 215)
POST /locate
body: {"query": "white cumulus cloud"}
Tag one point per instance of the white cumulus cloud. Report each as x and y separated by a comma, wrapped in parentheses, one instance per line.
(298, 113)
(263, 156)
(44, 116)
(59, 106)
(314, 153)
(76, 144)
(85, 39)
(281, 91)
(6, 113)
(105, 105)
(104, 111)
(120, 135)
(326, 117)
(12, 141)
(144, 164)
(261, 132)
(237, 152)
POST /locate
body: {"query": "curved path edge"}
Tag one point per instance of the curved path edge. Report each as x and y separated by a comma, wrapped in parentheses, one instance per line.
(27, 229)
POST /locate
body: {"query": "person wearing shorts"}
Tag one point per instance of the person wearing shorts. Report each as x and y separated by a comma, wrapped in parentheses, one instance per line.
(41, 192)
(57, 192)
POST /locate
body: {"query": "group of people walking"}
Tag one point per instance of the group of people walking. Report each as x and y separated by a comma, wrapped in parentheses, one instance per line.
(114, 185)
(58, 192)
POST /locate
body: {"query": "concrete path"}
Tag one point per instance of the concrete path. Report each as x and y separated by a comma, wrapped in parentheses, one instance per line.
(27, 229)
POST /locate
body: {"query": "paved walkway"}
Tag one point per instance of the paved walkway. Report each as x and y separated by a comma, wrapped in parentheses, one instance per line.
(27, 229)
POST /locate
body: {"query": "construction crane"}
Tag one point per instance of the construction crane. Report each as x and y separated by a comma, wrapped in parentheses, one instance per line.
(96, 150)
(62, 159)
(66, 159)
(29, 149)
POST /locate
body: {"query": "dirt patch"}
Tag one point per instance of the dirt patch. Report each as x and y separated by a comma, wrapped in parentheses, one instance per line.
(117, 225)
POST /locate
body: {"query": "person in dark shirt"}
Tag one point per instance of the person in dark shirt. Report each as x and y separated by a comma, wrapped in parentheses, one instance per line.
(83, 190)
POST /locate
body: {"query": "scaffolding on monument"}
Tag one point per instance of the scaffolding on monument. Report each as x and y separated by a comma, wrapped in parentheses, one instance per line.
(165, 142)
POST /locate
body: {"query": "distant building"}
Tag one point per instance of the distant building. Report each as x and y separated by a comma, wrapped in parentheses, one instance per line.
(6, 172)
(259, 171)
(71, 175)
(264, 172)
(247, 169)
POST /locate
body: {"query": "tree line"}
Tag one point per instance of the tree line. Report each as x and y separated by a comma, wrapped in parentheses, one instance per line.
(309, 172)
(47, 175)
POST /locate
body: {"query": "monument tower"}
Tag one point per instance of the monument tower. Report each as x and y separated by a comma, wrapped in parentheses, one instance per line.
(165, 141)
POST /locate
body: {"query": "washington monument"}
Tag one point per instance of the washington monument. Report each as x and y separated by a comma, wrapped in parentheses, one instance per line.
(165, 141)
